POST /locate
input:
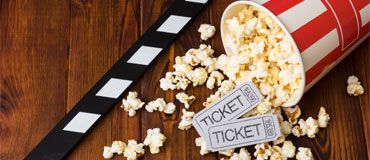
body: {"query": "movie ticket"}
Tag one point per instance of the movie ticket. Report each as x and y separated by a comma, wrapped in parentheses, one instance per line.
(242, 132)
(233, 105)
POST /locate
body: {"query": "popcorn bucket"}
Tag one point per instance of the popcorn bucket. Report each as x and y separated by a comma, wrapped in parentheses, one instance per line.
(324, 32)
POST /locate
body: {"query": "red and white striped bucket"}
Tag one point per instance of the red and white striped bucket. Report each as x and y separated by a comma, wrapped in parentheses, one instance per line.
(325, 31)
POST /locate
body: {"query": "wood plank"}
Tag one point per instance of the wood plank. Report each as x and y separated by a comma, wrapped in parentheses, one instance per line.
(361, 68)
(126, 32)
(91, 55)
(33, 58)
(149, 90)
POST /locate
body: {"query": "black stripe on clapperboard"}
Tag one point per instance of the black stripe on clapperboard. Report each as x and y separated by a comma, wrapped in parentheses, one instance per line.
(67, 134)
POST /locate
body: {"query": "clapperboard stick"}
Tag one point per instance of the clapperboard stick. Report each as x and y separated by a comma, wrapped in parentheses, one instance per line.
(101, 98)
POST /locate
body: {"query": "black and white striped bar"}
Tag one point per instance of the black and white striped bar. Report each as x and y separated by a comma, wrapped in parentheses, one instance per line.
(100, 99)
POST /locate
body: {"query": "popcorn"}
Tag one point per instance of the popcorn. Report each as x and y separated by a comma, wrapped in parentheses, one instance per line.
(168, 109)
(107, 153)
(276, 154)
(132, 103)
(191, 58)
(226, 87)
(279, 140)
(298, 131)
(264, 107)
(263, 151)
(204, 52)
(133, 150)
(259, 51)
(293, 113)
(354, 86)
(266, 89)
(198, 76)
(286, 127)
(212, 99)
(228, 152)
(215, 79)
(312, 127)
(309, 127)
(324, 118)
(174, 80)
(185, 99)
(201, 142)
(242, 155)
(154, 140)
(118, 147)
(206, 31)
(182, 67)
(210, 64)
(154, 105)
(186, 119)
(288, 149)
(160, 105)
(304, 154)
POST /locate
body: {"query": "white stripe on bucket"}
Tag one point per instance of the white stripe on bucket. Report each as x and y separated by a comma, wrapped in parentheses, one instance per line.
(260, 1)
(317, 51)
(299, 15)
(365, 15)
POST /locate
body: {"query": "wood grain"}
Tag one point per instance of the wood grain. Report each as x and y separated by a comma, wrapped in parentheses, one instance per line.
(52, 52)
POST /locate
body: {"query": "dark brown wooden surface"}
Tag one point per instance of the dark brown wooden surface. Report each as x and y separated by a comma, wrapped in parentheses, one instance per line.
(53, 51)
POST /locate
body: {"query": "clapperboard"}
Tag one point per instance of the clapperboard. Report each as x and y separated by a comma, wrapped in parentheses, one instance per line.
(102, 97)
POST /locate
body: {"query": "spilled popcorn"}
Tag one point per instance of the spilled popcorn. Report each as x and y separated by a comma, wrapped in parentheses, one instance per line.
(154, 140)
(263, 151)
(206, 31)
(185, 99)
(304, 154)
(201, 142)
(242, 155)
(107, 152)
(118, 147)
(354, 87)
(131, 104)
(133, 150)
(160, 105)
(186, 118)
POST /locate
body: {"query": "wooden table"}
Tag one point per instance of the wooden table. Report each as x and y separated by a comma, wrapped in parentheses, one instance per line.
(53, 51)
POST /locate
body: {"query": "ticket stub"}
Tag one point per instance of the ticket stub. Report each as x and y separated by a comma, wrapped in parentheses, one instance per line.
(230, 107)
(242, 132)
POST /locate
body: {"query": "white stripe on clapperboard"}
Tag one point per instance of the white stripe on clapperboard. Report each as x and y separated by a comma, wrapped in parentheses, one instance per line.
(365, 15)
(115, 87)
(81, 122)
(320, 49)
(197, 1)
(144, 55)
(173, 24)
(299, 15)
